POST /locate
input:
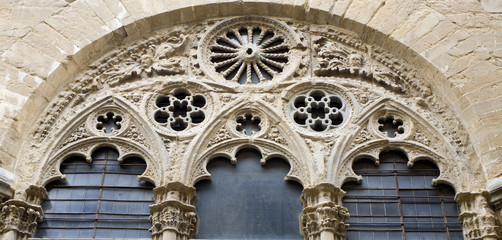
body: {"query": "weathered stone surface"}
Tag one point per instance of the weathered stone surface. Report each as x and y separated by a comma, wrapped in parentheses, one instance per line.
(442, 59)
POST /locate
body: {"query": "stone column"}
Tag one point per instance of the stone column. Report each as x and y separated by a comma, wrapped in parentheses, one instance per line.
(19, 218)
(173, 214)
(323, 216)
(479, 221)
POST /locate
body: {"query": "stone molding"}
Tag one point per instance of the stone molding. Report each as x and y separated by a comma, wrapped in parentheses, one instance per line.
(323, 212)
(479, 221)
(173, 212)
(6, 179)
(18, 218)
(127, 81)
(495, 189)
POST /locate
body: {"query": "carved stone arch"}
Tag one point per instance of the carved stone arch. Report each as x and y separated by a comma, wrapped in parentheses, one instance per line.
(268, 149)
(413, 123)
(275, 132)
(449, 170)
(133, 139)
(85, 148)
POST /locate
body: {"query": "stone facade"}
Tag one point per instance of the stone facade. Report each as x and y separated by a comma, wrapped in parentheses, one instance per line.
(322, 77)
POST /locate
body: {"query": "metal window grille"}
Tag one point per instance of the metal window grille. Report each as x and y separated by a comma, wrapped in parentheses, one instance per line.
(98, 200)
(397, 202)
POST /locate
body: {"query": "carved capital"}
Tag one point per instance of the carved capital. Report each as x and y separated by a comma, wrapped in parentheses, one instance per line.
(323, 212)
(174, 211)
(20, 217)
(478, 219)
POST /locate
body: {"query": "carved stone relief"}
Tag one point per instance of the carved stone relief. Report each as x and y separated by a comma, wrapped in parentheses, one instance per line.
(323, 212)
(187, 94)
(479, 221)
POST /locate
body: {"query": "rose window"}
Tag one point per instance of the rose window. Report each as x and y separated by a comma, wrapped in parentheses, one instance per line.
(248, 50)
(317, 110)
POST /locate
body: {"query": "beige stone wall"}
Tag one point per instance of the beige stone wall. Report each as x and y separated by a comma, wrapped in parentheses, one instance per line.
(456, 44)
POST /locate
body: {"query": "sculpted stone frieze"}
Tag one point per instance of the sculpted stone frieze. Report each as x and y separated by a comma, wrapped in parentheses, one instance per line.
(317, 96)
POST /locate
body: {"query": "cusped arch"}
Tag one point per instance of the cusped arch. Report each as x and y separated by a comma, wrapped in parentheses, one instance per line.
(77, 137)
(85, 149)
(449, 171)
(416, 127)
(156, 20)
(220, 136)
(229, 149)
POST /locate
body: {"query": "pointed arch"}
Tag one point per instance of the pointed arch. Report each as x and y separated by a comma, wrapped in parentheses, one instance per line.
(136, 144)
(289, 146)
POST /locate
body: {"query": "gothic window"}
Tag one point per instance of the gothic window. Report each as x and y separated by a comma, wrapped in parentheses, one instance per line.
(396, 202)
(248, 200)
(101, 199)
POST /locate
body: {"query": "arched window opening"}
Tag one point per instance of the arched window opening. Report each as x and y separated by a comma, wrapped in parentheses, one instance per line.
(248, 200)
(397, 202)
(102, 199)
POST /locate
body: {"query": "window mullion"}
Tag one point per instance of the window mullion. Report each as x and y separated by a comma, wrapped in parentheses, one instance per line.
(398, 193)
(100, 195)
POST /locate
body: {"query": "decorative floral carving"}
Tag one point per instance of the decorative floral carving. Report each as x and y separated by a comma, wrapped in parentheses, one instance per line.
(275, 136)
(159, 54)
(174, 211)
(23, 217)
(222, 135)
(322, 211)
(333, 57)
(479, 221)
(336, 57)
(134, 134)
(420, 137)
(134, 97)
(79, 133)
(363, 136)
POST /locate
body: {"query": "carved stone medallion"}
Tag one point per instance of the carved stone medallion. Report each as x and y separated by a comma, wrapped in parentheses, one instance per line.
(248, 50)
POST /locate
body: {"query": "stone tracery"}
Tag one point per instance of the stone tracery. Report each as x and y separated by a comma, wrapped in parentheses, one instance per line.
(342, 60)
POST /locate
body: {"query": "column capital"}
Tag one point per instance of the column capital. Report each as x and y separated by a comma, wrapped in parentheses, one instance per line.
(21, 217)
(323, 212)
(174, 211)
(478, 218)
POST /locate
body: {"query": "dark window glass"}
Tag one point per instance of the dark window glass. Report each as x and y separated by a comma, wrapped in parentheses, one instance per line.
(98, 200)
(397, 202)
(248, 200)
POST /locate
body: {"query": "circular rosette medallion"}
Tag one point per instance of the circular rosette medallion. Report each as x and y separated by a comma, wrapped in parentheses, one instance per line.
(249, 50)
